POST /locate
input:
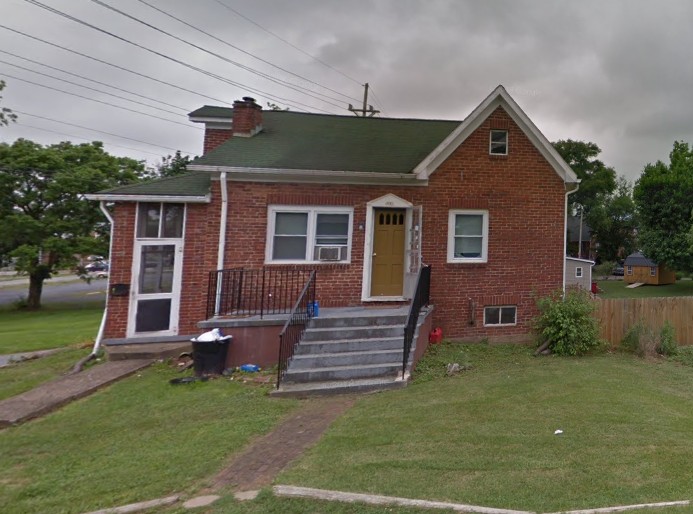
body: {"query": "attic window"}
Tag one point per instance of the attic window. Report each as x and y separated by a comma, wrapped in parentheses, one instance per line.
(498, 144)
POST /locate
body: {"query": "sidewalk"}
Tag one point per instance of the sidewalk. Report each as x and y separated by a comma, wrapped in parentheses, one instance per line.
(24, 281)
(56, 393)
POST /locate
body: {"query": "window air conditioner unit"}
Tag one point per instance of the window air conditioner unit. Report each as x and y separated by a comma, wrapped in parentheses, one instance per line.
(330, 253)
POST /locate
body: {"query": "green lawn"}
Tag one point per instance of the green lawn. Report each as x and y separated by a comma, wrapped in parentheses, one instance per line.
(486, 437)
(139, 439)
(53, 326)
(617, 289)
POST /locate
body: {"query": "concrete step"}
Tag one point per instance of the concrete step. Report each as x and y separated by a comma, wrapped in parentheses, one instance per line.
(137, 351)
(341, 372)
(327, 360)
(361, 321)
(363, 385)
(368, 332)
(349, 345)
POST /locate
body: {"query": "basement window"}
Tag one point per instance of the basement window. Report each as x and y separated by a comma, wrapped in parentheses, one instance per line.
(505, 315)
(498, 144)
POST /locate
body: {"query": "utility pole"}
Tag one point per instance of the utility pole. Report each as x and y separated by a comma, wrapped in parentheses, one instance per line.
(366, 109)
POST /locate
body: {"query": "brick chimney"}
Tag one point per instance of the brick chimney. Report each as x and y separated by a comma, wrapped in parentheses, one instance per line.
(247, 117)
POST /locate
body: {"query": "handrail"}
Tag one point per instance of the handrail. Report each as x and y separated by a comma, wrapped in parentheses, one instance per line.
(421, 298)
(295, 326)
(252, 292)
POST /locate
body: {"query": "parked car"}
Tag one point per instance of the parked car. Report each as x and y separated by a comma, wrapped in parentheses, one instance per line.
(618, 270)
(96, 266)
(101, 273)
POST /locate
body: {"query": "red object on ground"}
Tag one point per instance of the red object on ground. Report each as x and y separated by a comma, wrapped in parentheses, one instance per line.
(595, 288)
(436, 336)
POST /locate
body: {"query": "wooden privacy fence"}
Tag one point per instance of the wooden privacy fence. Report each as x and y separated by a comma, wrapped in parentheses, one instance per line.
(617, 315)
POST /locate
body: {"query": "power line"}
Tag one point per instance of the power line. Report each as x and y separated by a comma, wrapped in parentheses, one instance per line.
(91, 88)
(113, 65)
(244, 51)
(99, 131)
(92, 80)
(84, 138)
(377, 101)
(218, 56)
(167, 57)
(288, 43)
(101, 101)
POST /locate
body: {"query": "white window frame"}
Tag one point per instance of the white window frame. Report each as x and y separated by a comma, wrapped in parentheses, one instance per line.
(451, 236)
(653, 271)
(490, 142)
(629, 270)
(578, 272)
(500, 315)
(312, 211)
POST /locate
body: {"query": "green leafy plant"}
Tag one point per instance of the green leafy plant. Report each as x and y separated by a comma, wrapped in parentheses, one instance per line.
(604, 269)
(667, 340)
(566, 324)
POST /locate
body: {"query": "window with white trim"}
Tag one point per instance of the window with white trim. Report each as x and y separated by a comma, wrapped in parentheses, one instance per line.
(653, 271)
(160, 220)
(629, 270)
(467, 236)
(309, 234)
(498, 142)
(497, 316)
(578, 272)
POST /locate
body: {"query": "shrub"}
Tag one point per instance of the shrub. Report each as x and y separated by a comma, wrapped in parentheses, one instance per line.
(604, 269)
(667, 341)
(645, 342)
(566, 324)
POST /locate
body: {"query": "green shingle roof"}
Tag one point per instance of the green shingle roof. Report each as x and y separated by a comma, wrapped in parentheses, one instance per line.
(192, 183)
(212, 111)
(302, 141)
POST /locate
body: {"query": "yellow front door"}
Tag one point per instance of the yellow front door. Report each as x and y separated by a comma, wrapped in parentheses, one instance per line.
(387, 269)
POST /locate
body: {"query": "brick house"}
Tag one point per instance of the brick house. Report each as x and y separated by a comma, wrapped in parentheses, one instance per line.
(363, 202)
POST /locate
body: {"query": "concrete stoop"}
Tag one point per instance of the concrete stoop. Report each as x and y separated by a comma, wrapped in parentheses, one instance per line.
(349, 354)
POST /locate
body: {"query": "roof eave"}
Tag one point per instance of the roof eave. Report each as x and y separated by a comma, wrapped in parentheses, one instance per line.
(285, 175)
(108, 197)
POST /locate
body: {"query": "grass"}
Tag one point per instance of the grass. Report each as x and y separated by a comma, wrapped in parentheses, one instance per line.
(617, 289)
(53, 326)
(486, 436)
(23, 376)
(139, 439)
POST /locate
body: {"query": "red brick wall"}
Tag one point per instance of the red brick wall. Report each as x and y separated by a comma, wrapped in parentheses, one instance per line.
(524, 197)
(215, 137)
(120, 268)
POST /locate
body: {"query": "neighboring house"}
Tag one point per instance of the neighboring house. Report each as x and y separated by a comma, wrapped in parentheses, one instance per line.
(638, 268)
(578, 272)
(580, 242)
(362, 201)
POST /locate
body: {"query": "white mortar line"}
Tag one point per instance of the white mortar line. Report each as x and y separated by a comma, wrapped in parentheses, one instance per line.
(622, 508)
(136, 507)
(322, 494)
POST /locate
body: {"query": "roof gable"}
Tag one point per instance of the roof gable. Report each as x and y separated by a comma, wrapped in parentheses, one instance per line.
(498, 98)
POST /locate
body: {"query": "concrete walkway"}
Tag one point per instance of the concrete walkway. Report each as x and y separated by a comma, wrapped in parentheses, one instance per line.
(262, 460)
(56, 393)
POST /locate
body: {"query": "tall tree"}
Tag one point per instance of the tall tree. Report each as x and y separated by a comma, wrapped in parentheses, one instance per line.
(664, 199)
(44, 218)
(614, 223)
(597, 181)
(6, 115)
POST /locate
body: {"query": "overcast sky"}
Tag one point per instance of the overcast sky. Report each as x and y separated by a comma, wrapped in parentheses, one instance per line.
(618, 73)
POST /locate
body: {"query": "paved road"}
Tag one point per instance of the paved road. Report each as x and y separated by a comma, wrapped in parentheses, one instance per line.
(56, 290)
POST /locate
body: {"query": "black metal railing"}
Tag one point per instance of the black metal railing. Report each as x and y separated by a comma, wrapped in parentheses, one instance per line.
(303, 311)
(421, 298)
(253, 292)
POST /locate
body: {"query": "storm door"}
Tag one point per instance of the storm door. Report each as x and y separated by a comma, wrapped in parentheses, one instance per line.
(157, 264)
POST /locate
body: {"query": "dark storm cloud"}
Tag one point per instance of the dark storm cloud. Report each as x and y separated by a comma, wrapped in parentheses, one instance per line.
(617, 73)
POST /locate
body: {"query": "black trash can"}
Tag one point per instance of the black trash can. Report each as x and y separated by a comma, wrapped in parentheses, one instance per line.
(209, 357)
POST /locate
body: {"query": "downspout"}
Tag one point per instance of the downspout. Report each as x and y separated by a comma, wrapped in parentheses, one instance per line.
(102, 327)
(565, 230)
(222, 236)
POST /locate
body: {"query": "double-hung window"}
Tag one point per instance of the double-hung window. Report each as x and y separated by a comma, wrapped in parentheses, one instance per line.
(468, 236)
(309, 234)
(498, 142)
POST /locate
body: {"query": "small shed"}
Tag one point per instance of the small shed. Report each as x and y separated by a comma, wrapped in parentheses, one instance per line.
(638, 268)
(578, 272)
